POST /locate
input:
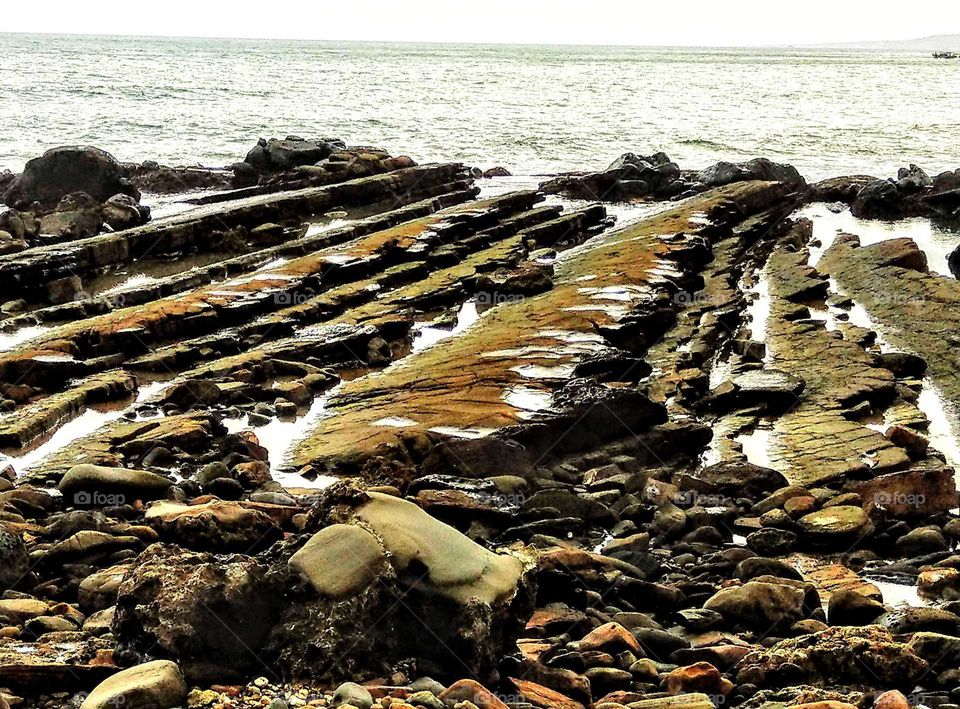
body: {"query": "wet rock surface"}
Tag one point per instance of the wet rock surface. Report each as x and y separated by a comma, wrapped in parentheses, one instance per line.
(374, 438)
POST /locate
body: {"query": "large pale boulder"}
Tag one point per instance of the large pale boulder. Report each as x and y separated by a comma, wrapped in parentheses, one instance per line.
(154, 685)
(340, 560)
(381, 548)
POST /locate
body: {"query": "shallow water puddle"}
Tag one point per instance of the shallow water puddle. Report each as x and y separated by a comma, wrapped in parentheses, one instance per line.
(426, 335)
(91, 420)
(944, 423)
(279, 436)
(756, 447)
(899, 594)
(758, 309)
(935, 241)
(528, 400)
(168, 205)
(13, 340)
(146, 272)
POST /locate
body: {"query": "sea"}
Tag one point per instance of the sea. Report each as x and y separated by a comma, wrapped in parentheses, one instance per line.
(532, 109)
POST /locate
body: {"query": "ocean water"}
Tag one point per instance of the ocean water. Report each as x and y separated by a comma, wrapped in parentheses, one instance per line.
(533, 109)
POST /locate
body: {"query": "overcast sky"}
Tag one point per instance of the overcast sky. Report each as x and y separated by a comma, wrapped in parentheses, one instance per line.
(627, 22)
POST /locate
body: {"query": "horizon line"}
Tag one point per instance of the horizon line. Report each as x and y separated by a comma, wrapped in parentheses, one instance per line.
(849, 44)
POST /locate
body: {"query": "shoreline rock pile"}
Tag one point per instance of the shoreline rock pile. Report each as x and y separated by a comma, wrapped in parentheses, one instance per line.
(371, 438)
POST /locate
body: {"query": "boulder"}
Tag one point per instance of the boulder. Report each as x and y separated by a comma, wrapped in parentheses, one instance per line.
(905, 365)
(915, 493)
(123, 212)
(14, 562)
(382, 548)
(847, 607)
(913, 179)
(340, 560)
(275, 154)
(953, 262)
(942, 584)
(95, 485)
(352, 694)
(840, 189)
(734, 479)
(699, 677)
(64, 170)
(212, 614)
(845, 656)
(725, 173)
(99, 590)
(760, 605)
(878, 200)
(922, 541)
(188, 394)
(940, 651)
(839, 526)
(76, 216)
(218, 526)
(154, 685)
(468, 690)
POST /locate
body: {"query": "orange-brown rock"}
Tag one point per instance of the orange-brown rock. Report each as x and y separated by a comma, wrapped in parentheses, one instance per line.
(544, 697)
(699, 677)
(468, 690)
(612, 638)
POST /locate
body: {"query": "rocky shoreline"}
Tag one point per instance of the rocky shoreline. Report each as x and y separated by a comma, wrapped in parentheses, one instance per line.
(329, 428)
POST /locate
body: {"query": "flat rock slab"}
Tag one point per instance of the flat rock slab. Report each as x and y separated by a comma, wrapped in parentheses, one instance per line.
(813, 442)
(830, 577)
(918, 311)
(467, 387)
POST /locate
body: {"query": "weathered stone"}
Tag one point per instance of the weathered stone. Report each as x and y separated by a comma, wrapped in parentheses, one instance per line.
(919, 492)
(759, 605)
(214, 526)
(211, 614)
(154, 685)
(340, 560)
(14, 562)
(61, 171)
(84, 484)
(868, 657)
(836, 526)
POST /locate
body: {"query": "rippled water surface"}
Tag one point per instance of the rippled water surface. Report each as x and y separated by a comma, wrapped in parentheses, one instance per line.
(534, 109)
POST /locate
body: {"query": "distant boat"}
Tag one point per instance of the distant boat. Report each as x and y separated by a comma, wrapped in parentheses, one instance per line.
(946, 55)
